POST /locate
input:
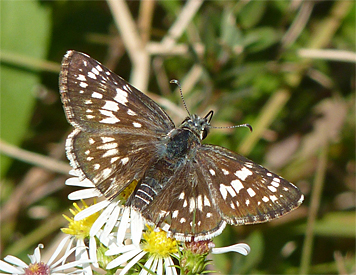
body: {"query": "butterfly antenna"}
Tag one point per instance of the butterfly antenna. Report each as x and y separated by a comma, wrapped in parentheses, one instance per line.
(235, 126)
(181, 94)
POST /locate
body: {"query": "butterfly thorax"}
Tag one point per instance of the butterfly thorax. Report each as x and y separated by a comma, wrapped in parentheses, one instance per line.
(177, 149)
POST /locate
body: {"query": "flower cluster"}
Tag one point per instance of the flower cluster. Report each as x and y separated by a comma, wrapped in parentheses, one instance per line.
(110, 237)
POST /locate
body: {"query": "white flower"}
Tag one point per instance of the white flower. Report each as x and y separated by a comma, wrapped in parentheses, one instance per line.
(113, 214)
(15, 266)
(156, 245)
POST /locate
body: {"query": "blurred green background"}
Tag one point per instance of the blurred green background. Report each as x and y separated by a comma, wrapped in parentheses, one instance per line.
(285, 67)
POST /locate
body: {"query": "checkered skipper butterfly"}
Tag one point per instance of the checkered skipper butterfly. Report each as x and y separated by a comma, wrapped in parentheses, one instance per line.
(191, 190)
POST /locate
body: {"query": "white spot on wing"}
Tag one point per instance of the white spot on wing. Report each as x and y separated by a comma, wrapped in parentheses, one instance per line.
(111, 152)
(243, 173)
(124, 160)
(111, 106)
(265, 199)
(91, 75)
(83, 84)
(136, 124)
(175, 214)
(200, 203)
(95, 71)
(81, 77)
(224, 189)
(181, 196)
(121, 96)
(96, 95)
(191, 204)
(107, 139)
(273, 198)
(225, 171)
(206, 201)
(114, 159)
(237, 185)
(251, 192)
(131, 113)
(212, 172)
(275, 184)
(272, 188)
(108, 146)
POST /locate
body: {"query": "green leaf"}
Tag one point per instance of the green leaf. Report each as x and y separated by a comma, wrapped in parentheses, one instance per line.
(260, 39)
(335, 224)
(252, 13)
(25, 29)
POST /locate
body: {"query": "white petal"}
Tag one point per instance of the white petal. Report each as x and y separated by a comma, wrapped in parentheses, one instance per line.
(160, 267)
(154, 265)
(121, 249)
(63, 258)
(123, 226)
(58, 250)
(84, 194)
(77, 182)
(136, 227)
(16, 261)
(92, 251)
(70, 265)
(37, 254)
(132, 262)
(169, 264)
(91, 210)
(74, 172)
(241, 248)
(10, 269)
(124, 258)
(101, 220)
(112, 219)
(81, 255)
(81, 250)
(148, 265)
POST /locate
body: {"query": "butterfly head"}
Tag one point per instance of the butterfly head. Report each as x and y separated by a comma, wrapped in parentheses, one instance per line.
(198, 125)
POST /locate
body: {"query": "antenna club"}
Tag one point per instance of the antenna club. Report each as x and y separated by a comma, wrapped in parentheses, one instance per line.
(175, 81)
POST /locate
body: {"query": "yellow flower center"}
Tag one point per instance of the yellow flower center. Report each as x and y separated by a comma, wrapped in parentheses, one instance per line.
(79, 229)
(158, 244)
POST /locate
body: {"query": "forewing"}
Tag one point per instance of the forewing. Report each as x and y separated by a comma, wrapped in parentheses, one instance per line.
(117, 126)
(185, 207)
(244, 191)
(97, 100)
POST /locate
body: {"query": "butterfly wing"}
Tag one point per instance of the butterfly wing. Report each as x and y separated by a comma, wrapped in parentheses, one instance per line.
(245, 192)
(116, 126)
(219, 187)
(185, 208)
(97, 100)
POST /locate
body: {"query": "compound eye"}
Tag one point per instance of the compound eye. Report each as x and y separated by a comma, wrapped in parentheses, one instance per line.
(204, 133)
